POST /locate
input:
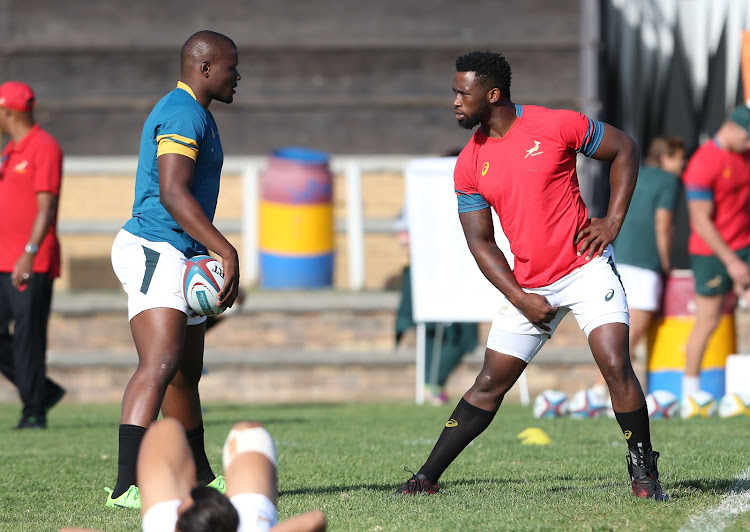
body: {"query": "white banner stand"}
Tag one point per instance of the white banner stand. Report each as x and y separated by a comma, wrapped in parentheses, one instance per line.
(446, 283)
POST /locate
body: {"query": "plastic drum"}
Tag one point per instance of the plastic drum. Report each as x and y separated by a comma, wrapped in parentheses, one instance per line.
(668, 337)
(296, 220)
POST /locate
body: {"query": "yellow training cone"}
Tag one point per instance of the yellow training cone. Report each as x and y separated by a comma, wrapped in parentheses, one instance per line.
(534, 436)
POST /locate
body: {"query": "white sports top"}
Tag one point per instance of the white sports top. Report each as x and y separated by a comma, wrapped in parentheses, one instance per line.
(257, 514)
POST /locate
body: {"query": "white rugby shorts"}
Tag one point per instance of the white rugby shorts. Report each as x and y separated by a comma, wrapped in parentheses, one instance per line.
(151, 274)
(257, 514)
(593, 293)
(643, 288)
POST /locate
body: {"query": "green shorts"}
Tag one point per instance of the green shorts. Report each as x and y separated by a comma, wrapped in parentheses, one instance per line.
(711, 277)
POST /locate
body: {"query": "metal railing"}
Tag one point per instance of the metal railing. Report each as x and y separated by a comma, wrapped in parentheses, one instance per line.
(355, 225)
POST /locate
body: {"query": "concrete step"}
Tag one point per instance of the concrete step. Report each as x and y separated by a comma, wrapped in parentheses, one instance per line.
(298, 376)
(289, 346)
(327, 322)
(286, 347)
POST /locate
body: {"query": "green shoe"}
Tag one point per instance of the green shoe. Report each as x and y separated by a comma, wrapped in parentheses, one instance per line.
(129, 499)
(218, 484)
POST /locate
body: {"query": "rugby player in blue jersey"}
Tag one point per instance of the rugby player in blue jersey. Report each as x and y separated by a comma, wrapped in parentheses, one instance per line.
(176, 189)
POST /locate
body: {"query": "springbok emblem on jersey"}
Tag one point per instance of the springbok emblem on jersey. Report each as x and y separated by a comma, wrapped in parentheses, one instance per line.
(534, 151)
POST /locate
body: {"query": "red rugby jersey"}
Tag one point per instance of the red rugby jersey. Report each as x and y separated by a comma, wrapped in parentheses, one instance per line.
(529, 178)
(723, 177)
(33, 165)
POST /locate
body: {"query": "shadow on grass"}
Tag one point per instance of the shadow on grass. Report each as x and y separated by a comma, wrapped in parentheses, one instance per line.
(718, 486)
(266, 421)
(477, 483)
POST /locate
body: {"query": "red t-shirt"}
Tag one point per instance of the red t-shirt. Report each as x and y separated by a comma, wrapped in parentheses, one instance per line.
(723, 177)
(33, 165)
(529, 178)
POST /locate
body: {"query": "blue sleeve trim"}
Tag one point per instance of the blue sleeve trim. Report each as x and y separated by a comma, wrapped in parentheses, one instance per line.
(593, 138)
(470, 202)
(699, 194)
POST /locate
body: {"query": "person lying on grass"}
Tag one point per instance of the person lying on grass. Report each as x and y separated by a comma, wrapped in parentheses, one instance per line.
(170, 499)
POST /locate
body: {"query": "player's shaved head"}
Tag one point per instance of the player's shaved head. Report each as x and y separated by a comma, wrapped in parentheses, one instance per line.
(205, 45)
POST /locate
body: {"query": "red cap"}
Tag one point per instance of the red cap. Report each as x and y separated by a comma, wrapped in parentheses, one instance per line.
(16, 96)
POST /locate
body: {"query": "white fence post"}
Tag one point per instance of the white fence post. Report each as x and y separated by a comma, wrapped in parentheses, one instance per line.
(355, 226)
(250, 206)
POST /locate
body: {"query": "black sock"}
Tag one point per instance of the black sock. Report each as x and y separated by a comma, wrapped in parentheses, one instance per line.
(466, 423)
(635, 428)
(202, 468)
(130, 441)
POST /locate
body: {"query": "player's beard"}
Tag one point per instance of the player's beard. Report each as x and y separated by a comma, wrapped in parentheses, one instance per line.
(473, 120)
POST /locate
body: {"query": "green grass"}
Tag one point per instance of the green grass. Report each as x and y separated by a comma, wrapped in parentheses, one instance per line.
(348, 459)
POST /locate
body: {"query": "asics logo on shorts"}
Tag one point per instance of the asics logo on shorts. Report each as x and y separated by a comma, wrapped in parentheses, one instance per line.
(627, 434)
(451, 423)
(714, 283)
(610, 295)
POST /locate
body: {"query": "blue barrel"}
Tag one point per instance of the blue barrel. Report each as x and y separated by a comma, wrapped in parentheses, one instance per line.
(296, 220)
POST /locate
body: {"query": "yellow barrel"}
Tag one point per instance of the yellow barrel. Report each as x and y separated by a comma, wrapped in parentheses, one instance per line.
(669, 334)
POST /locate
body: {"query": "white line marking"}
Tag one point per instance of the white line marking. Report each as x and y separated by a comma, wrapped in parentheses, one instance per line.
(734, 503)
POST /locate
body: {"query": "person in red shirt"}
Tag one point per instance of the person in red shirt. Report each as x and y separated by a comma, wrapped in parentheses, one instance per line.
(522, 163)
(30, 176)
(717, 188)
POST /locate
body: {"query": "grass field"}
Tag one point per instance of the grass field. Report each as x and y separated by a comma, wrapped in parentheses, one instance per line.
(348, 459)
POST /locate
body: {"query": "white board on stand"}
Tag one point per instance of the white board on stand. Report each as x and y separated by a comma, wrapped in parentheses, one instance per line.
(447, 285)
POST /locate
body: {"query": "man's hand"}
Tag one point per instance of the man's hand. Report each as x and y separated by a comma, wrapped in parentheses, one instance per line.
(537, 310)
(23, 270)
(595, 237)
(740, 274)
(228, 293)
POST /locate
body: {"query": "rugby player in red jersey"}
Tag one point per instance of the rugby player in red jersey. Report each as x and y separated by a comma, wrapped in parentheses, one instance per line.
(717, 188)
(522, 163)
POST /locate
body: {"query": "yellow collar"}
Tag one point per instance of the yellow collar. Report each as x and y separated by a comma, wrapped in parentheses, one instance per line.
(186, 88)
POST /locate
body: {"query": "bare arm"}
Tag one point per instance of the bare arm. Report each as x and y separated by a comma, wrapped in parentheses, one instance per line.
(701, 220)
(175, 177)
(314, 521)
(623, 152)
(165, 467)
(480, 236)
(46, 209)
(664, 236)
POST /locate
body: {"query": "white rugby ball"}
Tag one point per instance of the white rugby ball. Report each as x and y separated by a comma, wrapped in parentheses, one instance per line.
(662, 404)
(202, 279)
(734, 404)
(550, 403)
(698, 404)
(587, 404)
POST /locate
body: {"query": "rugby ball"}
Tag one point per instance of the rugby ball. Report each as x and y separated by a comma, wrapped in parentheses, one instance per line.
(550, 403)
(202, 279)
(734, 404)
(698, 404)
(587, 404)
(608, 410)
(662, 404)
